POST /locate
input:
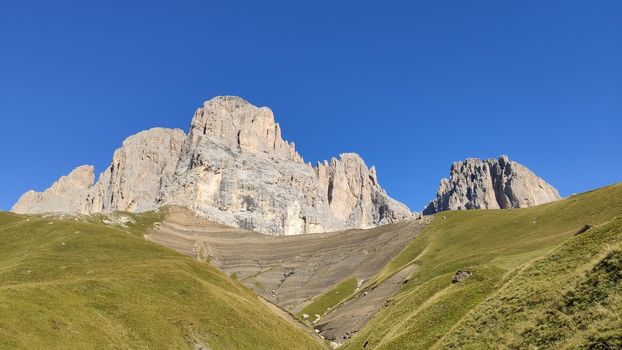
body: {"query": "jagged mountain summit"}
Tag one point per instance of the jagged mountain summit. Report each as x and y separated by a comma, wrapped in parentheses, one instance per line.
(232, 167)
(490, 184)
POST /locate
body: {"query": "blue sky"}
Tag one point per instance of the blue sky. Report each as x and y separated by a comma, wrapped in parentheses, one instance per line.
(411, 85)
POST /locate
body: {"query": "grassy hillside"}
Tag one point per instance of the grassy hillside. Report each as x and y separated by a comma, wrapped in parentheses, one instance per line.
(322, 303)
(498, 247)
(95, 282)
(72, 284)
(570, 299)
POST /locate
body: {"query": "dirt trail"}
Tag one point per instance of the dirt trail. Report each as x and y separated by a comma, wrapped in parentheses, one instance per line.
(285, 270)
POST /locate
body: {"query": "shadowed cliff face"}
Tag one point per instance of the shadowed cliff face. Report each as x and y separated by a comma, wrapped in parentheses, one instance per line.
(491, 184)
(234, 168)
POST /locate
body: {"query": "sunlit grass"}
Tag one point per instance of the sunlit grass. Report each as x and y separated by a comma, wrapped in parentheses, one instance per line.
(81, 284)
(496, 245)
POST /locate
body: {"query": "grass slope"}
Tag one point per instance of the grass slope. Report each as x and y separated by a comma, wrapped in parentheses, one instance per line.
(568, 300)
(496, 245)
(323, 303)
(68, 283)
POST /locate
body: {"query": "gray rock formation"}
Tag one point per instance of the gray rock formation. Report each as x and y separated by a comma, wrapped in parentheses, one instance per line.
(131, 183)
(235, 168)
(133, 180)
(232, 167)
(490, 184)
(354, 195)
(65, 195)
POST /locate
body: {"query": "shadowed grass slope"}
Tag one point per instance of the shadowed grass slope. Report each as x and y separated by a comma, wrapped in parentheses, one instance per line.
(496, 245)
(69, 283)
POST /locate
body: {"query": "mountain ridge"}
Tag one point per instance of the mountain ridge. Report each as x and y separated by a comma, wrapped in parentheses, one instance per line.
(233, 167)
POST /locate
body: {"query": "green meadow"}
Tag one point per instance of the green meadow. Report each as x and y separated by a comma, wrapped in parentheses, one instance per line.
(81, 284)
(530, 256)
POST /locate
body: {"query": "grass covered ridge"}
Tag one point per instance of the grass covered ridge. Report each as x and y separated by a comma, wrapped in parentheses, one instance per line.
(496, 245)
(67, 283)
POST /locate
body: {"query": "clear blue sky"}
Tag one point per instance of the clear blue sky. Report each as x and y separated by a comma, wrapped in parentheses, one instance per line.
(412, 85)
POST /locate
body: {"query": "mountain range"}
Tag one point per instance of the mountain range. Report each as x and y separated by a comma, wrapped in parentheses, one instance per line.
(223, 237)
(234, 167)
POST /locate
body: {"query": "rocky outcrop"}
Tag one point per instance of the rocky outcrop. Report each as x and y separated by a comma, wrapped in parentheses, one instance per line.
(131, 183)
(139, 167)
(235, 168)
(65, 195)
(490, 184)
(354, 195)
(238, 125)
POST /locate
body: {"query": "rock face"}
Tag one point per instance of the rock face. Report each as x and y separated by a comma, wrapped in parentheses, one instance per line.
(232, 167)
(65, 195)
(235, 168)
(138, 169)
(490, 184)
(353, 192)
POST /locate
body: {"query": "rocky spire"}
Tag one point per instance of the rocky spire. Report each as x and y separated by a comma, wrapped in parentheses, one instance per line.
(353, 192)
(240, 126)
(490, 184)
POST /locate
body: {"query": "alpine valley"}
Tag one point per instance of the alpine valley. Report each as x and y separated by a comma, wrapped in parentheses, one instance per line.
(223, 237)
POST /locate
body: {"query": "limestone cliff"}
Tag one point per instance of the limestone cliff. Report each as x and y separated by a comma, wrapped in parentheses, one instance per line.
(236, 168)
(490, 184)
(138, 169)
(65, 195)
(353, 192)
(233, 167)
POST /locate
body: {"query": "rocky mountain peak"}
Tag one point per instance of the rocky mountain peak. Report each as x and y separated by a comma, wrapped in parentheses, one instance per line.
(242, 127)
(232, 167)
(490, 184)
